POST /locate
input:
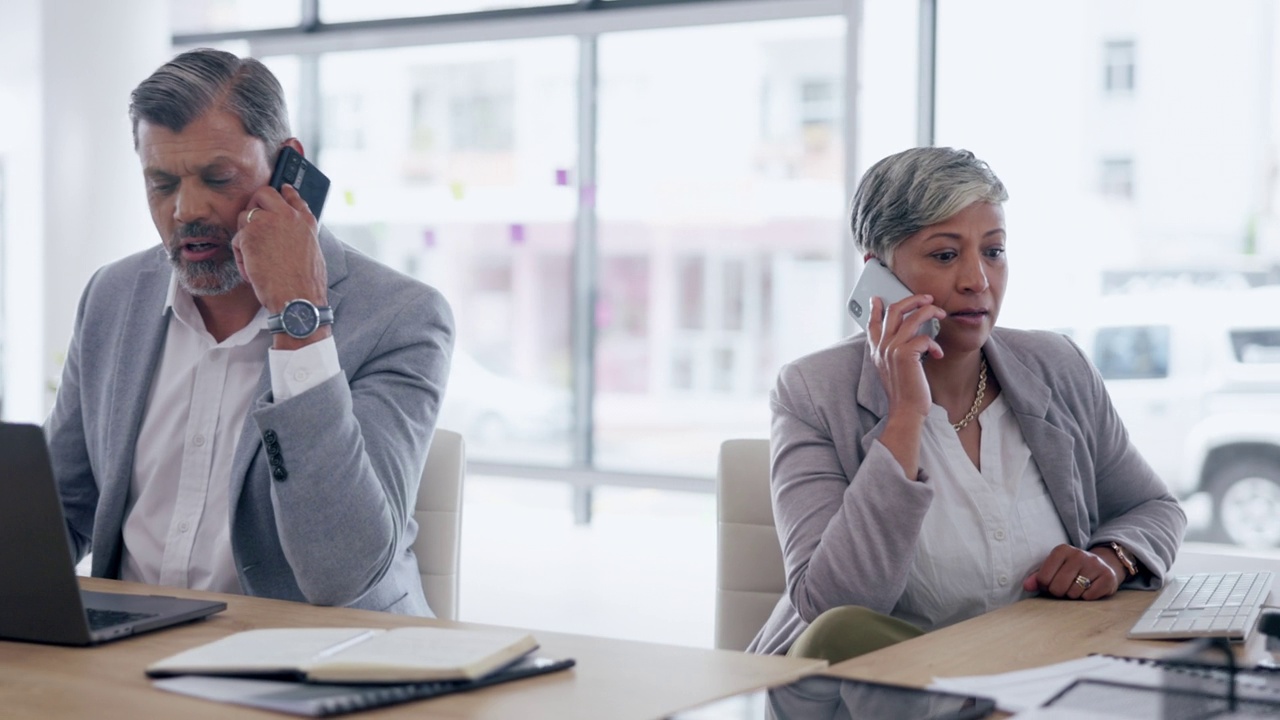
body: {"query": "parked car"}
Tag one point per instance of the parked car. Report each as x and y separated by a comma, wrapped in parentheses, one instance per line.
(1196, 377)
(490, 409)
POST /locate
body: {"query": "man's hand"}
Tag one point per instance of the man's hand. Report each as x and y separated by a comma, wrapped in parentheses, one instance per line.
(1073, 573)
(277, 249)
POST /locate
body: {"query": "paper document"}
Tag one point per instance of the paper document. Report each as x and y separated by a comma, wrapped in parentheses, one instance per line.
(1025, 689)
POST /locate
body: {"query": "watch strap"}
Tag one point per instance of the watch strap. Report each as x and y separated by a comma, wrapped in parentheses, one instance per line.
(326, 316)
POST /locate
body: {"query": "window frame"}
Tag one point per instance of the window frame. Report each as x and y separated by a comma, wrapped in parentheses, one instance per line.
(586, 20)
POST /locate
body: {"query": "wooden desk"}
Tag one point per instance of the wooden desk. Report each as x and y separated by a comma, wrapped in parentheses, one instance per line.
(1039, 631)
(613, 678)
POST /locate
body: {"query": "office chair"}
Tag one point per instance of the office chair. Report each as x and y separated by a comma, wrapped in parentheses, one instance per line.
(749, 572)
(438, 511)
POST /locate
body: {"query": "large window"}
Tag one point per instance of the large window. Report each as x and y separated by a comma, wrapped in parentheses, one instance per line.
(700, 243)
(721, 198)
(455, 165)
(1143, 213)
(713, 192)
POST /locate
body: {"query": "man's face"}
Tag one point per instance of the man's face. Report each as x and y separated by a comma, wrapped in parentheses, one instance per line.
(197, 182)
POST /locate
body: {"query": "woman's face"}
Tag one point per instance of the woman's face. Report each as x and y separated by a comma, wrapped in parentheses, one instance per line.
(961, 263)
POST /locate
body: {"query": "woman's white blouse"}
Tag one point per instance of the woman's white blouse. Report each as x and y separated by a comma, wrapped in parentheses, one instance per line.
(984, 532)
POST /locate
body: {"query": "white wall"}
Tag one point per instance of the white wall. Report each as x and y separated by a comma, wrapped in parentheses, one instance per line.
(20, 138)
(75, 196)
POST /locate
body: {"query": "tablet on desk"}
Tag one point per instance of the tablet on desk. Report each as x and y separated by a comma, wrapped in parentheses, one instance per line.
(833, 698)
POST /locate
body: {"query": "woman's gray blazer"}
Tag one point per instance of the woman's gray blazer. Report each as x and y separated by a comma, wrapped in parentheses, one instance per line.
(848, 517)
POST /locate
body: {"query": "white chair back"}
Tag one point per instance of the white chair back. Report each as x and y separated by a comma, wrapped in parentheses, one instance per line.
(439, 515)
(749, 572)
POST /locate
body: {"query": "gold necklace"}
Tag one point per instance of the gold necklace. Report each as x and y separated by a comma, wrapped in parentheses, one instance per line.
(977, 402)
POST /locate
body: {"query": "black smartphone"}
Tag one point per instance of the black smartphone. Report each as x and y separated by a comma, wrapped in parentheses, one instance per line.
(305, 177)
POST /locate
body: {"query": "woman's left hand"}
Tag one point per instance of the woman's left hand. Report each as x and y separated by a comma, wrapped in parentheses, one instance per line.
(1059, 575)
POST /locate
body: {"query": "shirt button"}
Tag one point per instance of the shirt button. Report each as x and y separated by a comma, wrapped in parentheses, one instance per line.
(999, 534)
(184, 526)
(1004, 580)
(300, 375)
(198, 441)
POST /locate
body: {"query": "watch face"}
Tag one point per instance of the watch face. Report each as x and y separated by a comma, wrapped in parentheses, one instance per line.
(300, 319)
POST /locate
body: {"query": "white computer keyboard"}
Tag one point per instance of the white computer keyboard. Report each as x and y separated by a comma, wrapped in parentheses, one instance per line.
(1205, 605)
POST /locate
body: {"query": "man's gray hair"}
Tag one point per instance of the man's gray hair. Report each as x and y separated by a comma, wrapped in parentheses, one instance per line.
(907, 192)
(198, 80)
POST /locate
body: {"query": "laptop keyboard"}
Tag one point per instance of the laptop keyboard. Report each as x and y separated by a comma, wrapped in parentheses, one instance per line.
(1205, 605)
(99, 619)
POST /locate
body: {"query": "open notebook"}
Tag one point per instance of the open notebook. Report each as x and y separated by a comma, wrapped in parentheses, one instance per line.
(353, 655)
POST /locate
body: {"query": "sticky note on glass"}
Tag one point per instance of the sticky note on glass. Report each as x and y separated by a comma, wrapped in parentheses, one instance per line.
(457, 189)
(517, 234)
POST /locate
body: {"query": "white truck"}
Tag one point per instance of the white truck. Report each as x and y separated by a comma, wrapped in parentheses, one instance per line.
(1195, 374)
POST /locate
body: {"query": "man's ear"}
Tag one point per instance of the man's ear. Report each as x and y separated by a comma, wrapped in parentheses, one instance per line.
(296, 144)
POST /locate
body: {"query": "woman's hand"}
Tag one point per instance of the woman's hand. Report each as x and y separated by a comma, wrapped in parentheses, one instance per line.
(898, 351)
(1058, 575)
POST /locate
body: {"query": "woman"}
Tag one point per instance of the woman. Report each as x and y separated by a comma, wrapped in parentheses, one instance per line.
(918, 482)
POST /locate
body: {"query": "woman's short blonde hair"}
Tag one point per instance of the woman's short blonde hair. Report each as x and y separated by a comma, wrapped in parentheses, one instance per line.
(907, 192)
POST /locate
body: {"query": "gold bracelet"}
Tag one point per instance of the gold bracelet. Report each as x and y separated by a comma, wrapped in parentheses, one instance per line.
(1129, 565)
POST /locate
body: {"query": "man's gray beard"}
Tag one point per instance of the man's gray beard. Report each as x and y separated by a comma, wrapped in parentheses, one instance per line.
(203, 278)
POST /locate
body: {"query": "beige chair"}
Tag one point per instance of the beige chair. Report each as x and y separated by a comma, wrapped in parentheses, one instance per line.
(439, 515)
(749, 574)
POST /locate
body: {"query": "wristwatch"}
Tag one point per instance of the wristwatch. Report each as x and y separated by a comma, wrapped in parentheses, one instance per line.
(1130, 566)
(299, 319)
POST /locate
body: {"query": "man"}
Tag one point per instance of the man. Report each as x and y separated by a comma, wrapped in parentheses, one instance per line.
(199, 443)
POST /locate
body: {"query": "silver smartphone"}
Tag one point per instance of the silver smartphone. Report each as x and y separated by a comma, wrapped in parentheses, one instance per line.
(877, 280)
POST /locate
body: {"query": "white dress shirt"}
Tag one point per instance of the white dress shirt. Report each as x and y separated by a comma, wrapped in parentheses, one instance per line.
(177, 528)
(984, 532)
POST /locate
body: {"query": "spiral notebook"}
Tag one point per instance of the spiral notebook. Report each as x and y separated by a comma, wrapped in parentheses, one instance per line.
(325, 700)
(1026, 689)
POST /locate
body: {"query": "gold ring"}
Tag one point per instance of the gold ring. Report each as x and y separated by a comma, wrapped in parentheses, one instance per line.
(249, 218)
(1083, 581)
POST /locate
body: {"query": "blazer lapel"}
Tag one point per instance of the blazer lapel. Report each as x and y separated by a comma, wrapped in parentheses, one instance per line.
(1052, 448)
(872, 396)
(138, 349)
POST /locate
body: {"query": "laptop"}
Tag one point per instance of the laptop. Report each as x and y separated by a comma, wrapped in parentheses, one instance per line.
(40, 597)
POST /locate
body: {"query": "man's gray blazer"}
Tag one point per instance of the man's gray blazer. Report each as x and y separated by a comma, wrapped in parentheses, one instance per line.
(339, 528)
(848, 517)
